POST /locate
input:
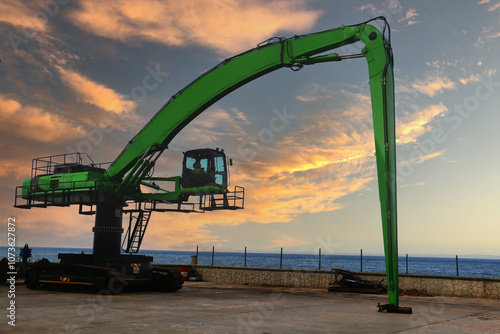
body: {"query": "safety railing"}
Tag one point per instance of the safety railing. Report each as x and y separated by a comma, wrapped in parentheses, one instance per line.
(231, 200)
(65, 163)
(66, 193)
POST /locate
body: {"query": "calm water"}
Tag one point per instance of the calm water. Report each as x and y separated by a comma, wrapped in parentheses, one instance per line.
(416, 265)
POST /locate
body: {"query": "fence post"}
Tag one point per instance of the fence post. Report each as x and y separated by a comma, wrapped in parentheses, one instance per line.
(281, 258)
(319, 259)
(361, 259)
(245, 256)
(407, 263)
(213, 251)
(457, 264)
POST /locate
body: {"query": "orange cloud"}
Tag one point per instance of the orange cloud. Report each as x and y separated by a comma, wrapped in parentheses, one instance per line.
(18, 14)
(492, 8)
(420, 159)
(203, 22)
(410, 17)
(369, 6)
(314, 93)
(36, 123)
(416, 124)
(433, 84)
(328, 155)
(14, 169)
(471, 78)
(97, 94)
(266, 202)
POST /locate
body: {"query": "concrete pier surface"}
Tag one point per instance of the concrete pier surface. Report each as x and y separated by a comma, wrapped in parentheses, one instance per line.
(206, 307)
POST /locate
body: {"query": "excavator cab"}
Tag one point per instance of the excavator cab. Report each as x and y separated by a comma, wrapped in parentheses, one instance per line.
(204, 167)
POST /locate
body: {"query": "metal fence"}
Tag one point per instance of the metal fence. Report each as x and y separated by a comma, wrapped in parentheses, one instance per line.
(319, 261)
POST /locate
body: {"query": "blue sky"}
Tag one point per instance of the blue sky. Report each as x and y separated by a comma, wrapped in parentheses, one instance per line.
(75, 73)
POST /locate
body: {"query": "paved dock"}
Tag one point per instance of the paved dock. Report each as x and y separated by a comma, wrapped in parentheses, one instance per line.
(203, 307)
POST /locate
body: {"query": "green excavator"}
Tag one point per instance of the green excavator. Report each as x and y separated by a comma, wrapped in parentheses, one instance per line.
(111, 192)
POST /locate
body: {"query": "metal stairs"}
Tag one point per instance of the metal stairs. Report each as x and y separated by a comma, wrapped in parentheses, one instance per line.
(137, 225)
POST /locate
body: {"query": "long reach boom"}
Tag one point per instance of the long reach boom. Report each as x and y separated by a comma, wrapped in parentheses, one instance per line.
(67, 184)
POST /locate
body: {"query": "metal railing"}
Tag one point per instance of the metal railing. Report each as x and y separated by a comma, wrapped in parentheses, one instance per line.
(319, 261)
(66, 193)
(231, 200)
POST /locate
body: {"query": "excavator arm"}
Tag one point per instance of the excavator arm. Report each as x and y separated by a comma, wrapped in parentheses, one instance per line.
(233, 73)
(269, 56)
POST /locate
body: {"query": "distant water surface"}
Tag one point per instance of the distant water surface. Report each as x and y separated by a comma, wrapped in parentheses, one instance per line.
(471, 267)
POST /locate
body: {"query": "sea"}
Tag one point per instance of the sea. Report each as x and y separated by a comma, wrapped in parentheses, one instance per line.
(447, 266)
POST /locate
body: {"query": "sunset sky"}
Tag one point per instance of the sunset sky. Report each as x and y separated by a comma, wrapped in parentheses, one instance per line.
(87, 75)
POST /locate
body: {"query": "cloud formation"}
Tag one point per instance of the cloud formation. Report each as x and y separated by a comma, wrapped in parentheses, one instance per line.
(410, 17)
(487, 35)
(490, 8)
(20, 15)
(418, 160)
(415, 124)
(14, 169)
(88, 91)
(37, 124)
(472, 78)
(433, 84)
(325, 154)
(212, 24)
(45, 70)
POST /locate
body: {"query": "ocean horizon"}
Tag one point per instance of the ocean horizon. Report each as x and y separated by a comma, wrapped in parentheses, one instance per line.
(468, 265)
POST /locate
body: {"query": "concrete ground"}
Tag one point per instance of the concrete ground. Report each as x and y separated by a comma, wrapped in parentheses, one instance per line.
(202, 307)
